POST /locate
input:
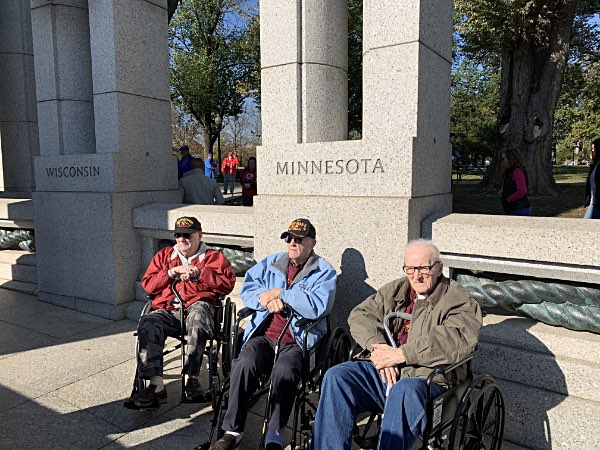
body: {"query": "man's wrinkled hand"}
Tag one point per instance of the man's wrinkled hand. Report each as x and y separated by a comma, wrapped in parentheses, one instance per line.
(389, 375)
(187, 272)
(384, 356)
(275, 305)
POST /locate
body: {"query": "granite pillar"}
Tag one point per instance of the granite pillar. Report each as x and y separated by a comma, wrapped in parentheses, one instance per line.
(113, 67)
(366, 198)
(18, 114)
(304, 70)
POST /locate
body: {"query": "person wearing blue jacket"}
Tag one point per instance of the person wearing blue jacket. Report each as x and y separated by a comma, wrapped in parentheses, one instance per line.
(304, 281)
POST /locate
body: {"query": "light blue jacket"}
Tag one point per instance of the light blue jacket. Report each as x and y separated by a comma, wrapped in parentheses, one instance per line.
(310, 295)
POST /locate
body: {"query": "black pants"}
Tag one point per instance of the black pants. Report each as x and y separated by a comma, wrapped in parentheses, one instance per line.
(255, 359)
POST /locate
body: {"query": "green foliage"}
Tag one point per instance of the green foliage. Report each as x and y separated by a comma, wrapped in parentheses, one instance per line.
(488, 30)
(475, 96)
(213, 61)
(578, 111)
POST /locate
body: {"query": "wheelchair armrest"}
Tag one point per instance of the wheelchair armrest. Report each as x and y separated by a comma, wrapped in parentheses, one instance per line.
(444, 369)
(245, 312)
(358, 353)
(311, 322)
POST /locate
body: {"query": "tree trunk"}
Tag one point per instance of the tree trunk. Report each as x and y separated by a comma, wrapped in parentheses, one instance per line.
(531, 79)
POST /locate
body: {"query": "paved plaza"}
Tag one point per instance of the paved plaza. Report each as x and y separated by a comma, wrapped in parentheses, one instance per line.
(64, 376)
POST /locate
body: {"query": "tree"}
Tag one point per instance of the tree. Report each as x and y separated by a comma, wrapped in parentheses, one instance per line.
(578, 112)
(475, 97)
(209, 69)
(242, 135)
(533, 40)
(186, 130)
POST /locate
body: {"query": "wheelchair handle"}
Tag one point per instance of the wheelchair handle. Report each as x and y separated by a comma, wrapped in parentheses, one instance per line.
(386, 320)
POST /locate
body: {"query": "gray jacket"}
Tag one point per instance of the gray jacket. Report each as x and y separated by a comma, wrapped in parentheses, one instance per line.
(198, 189)
(444, 329)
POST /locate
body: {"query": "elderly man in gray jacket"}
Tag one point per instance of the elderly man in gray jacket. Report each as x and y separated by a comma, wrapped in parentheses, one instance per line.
(444, 330)
(198, 189)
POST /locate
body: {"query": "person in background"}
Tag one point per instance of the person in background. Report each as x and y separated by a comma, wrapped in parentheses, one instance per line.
(248, 179)
(229, 169)
(185, 162)
(593, 183)
(199, 189)
(513, 194)
(210, 166)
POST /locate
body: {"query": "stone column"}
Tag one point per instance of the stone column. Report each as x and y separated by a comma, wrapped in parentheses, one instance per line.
(88, 254)
(304, 70)
(18, 116)
(366, 198)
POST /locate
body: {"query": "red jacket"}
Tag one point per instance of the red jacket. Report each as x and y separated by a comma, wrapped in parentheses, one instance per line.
(248, 180)
(230, 165)
(216, 277)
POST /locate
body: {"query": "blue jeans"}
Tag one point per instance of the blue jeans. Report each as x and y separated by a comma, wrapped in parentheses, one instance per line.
(354, 387)
(592, 212)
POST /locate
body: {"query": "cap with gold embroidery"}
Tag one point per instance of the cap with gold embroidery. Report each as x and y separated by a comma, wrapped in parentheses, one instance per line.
(187, 225)
(300, 228)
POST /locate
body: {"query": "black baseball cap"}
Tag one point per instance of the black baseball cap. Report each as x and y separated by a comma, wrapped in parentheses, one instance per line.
(187, 225)
(300, 228)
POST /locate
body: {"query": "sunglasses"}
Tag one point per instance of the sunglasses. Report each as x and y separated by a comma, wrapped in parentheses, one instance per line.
(183, 235)
(297, 240)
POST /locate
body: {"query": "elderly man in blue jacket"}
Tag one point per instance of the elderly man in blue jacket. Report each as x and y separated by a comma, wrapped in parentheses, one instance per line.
(304, 281)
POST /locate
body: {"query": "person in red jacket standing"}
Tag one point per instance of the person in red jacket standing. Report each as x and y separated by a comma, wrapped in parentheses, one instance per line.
(248, 180)
(205, 274)
(229, 169)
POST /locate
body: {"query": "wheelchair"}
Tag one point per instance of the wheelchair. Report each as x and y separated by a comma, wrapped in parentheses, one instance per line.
(469, 415)
(224, 312)
(334, 347)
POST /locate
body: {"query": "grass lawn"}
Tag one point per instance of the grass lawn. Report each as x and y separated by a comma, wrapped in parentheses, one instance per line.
(469, 198)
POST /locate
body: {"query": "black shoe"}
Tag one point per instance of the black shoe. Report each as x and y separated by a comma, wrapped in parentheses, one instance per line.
(195, 394)
(151, 399)
(273, 446)
(227, 442)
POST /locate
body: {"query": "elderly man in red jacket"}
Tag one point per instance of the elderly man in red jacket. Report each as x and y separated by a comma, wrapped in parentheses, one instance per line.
(205, 274)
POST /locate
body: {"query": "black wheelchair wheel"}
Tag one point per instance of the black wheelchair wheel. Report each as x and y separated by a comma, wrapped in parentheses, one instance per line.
(479, 419)
(338, 351)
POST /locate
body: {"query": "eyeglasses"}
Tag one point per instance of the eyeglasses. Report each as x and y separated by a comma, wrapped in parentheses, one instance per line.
(423, 270)
(297, 240)
(183, 235)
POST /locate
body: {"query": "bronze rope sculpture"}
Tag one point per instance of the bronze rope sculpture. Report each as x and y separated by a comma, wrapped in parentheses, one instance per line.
(569, 306)
(17, 238)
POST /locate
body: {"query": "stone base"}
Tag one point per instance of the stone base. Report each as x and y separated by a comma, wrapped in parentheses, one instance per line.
(362, 237)
(108, 311)
(88, 253)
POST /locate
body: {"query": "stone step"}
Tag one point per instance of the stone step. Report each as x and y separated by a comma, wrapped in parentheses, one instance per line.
(17, 257)
(520, 332)
(19, 286)
(509, 351)
(550, 378)
(18, 272)
(18, 210)
(540, 419)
